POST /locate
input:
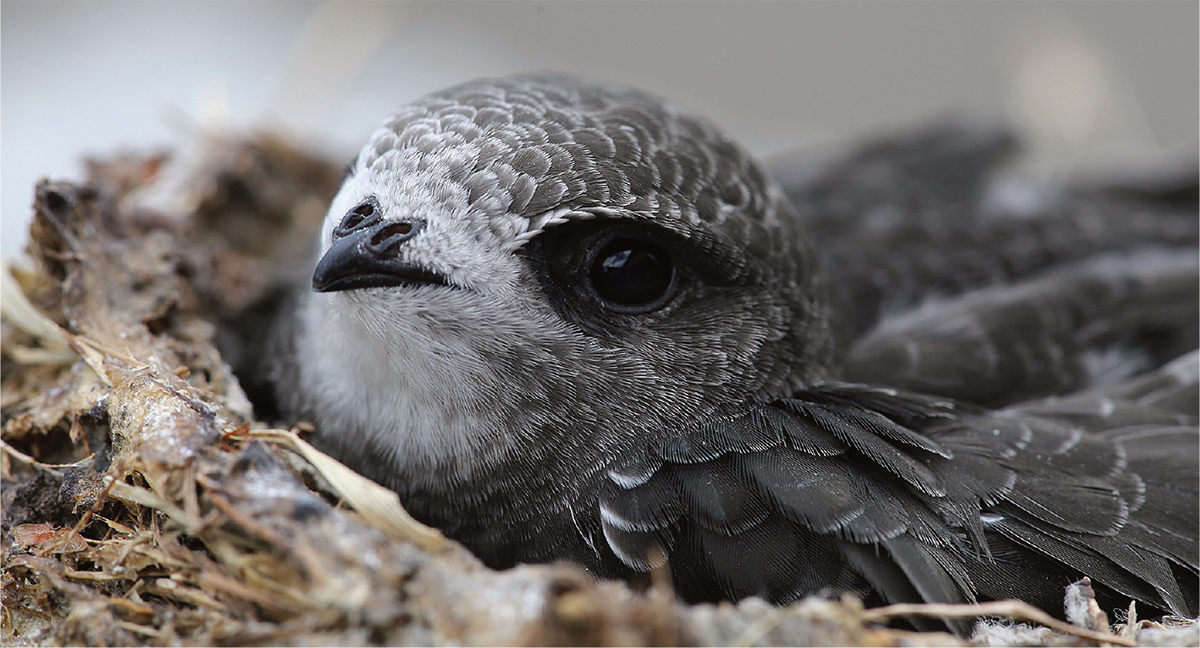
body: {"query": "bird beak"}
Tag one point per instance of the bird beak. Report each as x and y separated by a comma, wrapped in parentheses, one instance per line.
(369, 258)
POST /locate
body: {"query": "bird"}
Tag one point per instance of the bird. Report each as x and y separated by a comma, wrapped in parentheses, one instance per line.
(565, 319)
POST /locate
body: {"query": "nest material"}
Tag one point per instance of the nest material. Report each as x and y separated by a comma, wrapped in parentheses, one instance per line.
(144, 504)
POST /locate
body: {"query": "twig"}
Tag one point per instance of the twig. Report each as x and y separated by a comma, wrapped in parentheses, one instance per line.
(137, 495)
(26, 459)
(376, 504)
(214, 581)
(20, 311)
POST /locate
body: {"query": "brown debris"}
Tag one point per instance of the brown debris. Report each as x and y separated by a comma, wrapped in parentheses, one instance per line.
(144, 504)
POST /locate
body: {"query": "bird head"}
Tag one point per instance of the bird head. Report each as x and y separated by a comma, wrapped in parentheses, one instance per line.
(544, 265)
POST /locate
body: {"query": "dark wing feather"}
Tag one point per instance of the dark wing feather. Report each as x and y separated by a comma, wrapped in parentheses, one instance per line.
(1079, 324)
(815, 492)
(910, 498)
(937, 574)
(928, 214)
(715, 496)
(1085, 505)
(874, 436)
(767, 560)
(1172, 388)
(656, 504)
(772, 521)
(1113, 564)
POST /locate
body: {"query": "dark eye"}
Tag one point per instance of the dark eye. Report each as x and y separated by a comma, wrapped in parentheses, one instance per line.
(632, 274)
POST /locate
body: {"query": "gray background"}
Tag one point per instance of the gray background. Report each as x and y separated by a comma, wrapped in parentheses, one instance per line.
(1093, 84)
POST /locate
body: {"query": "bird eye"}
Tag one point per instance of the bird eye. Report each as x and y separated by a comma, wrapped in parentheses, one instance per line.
(632, 274)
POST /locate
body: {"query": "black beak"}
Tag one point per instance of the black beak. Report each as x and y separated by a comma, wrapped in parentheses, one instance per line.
(367, 256)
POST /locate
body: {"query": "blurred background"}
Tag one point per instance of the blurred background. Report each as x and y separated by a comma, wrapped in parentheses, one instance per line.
(1094, 86)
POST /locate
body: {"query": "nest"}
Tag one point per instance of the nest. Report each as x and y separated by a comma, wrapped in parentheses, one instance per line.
(145, 504)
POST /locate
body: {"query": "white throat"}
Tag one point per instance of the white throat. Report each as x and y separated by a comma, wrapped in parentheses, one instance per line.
(405, 380)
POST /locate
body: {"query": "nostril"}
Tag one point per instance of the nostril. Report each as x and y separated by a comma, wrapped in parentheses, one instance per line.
(357, 215)
(390, 236)
(395, 229)
(363, 215)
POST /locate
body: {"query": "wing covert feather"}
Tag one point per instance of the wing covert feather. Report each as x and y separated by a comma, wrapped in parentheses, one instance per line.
(910, 498)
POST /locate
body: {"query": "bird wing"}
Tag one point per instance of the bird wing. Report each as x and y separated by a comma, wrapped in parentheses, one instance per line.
(847, 487)
(1081, 323)
(930, 213)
